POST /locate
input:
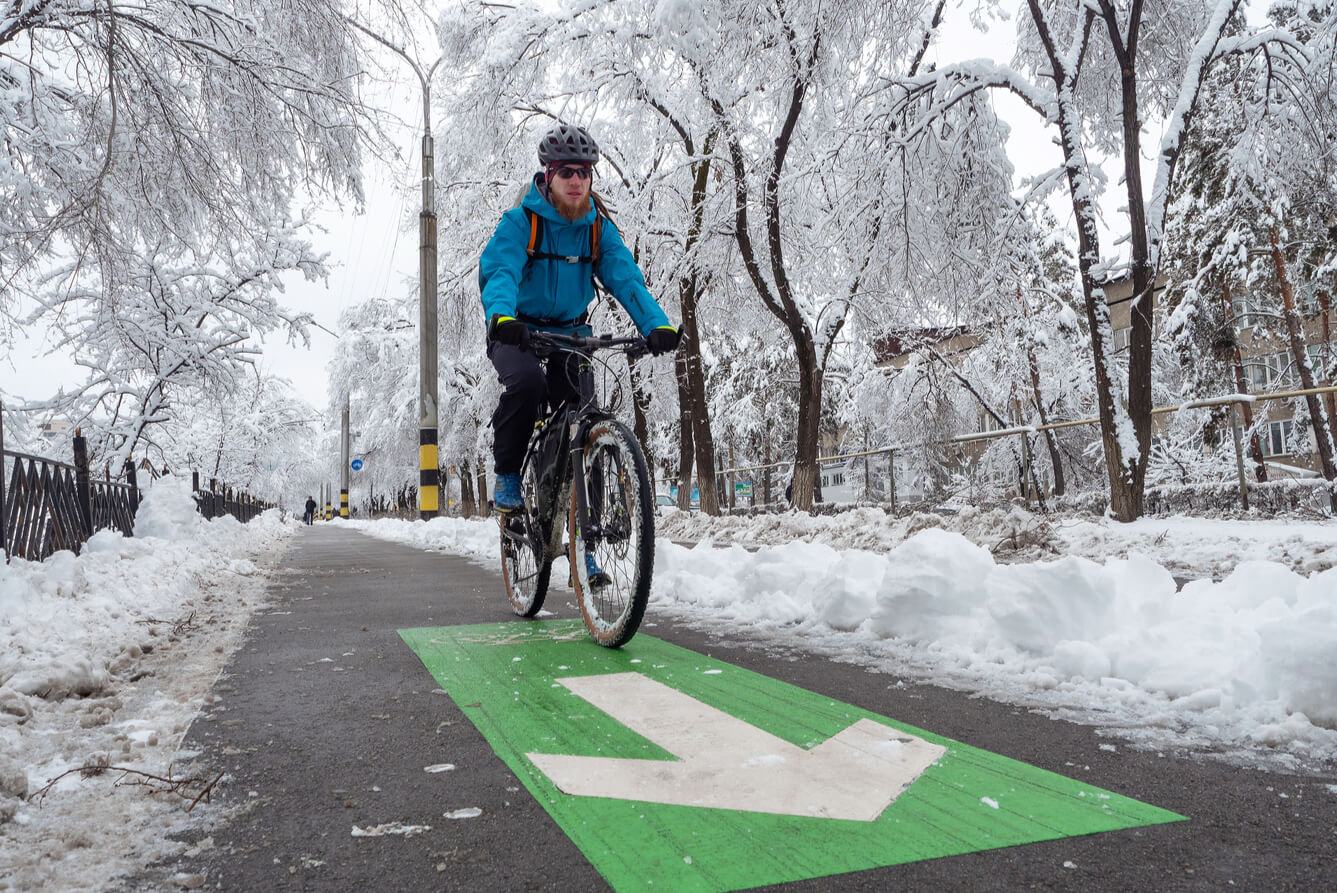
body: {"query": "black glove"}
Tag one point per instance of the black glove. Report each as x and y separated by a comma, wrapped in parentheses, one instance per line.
(508, 330)
(662, 340)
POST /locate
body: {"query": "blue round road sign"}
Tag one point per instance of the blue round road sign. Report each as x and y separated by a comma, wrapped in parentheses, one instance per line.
(356, 465)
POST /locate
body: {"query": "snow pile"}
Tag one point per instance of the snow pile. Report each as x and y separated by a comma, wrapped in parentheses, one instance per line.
(104, 659)
(1188, 547)
(1246, 660)
(478, 538)
(1008, 531)
(168, 511)
(1234, 655)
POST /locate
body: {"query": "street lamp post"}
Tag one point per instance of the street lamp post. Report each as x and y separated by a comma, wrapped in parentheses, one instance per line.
(344, 458)
(429, 471)
(429, 468)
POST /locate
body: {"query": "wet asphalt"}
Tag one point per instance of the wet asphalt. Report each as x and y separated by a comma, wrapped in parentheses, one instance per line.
(325, 720)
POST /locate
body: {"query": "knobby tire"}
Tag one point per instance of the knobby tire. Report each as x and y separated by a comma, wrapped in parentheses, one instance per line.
(524, 564)
(622, 534)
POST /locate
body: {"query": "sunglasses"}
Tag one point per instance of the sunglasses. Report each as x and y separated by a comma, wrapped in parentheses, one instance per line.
(565, 173)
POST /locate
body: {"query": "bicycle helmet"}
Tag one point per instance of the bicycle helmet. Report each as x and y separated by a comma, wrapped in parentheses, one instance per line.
(567, 142)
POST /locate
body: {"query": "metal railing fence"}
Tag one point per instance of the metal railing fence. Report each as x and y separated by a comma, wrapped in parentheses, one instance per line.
(1233, 401)
(47, 506)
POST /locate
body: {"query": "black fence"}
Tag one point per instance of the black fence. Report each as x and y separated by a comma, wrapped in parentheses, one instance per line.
(221, 500)
(47, 506)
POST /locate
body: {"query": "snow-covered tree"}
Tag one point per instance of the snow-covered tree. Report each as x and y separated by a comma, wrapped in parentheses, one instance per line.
(260, 437)
(1255, 219)
(375, 368)
(159, 329)
(1095, 71)
(155, 153)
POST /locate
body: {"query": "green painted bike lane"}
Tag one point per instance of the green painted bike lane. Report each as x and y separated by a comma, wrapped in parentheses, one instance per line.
(519, 685)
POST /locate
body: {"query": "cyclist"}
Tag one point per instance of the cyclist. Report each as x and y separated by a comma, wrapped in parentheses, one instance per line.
(538, 270)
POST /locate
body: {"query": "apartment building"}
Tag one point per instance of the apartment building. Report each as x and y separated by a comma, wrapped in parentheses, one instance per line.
(1268, 366)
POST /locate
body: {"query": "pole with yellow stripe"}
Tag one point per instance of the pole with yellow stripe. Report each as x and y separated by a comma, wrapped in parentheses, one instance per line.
(429, 474)
(343, 473)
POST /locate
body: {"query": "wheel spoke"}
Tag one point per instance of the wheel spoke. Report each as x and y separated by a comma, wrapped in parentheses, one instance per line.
(525, 570)
(619, 534)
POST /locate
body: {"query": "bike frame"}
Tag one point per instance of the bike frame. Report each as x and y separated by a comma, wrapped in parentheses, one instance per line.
(568, 465)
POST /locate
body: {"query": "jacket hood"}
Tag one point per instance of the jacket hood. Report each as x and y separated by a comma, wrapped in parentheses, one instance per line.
(536, 200)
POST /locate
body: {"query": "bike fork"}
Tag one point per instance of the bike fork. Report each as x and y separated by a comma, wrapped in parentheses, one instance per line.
(578, 486)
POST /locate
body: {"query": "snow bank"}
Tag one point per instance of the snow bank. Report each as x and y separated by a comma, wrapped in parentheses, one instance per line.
(1187, 546)
(1258, 642)
(104, 658)
(1099, 632)
(475, 538)
(168, 511)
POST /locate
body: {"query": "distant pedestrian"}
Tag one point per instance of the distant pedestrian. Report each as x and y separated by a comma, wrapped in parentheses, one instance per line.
(310, 514)
(789, 492)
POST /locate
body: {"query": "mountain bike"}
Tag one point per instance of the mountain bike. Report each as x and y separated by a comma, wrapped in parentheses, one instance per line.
(583, 475)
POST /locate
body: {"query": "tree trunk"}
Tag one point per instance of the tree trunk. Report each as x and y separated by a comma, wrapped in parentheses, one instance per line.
(640, 401)
(699, 443)
(686, 442)
(1115, 427)
(482, 488)
(1242, 387)
(777, 295)
(766, 461)
(1037, 398)
(1051, 439)
(467, 503)
(806, 438)
(1143, 305)
(694, 391)
(1318, 417)
(1325, 307)
(731, 486)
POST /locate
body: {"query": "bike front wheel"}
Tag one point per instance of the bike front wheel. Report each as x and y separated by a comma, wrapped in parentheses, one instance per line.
(619, 535)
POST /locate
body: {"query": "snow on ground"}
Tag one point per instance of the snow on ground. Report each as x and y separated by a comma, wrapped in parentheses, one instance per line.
(1216, 636)
(104, 660)
(106, 657)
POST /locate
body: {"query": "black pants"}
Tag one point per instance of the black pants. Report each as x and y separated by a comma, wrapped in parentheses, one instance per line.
(529, 386)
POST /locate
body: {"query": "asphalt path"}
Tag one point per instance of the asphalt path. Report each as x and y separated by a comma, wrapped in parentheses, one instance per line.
(325, 721)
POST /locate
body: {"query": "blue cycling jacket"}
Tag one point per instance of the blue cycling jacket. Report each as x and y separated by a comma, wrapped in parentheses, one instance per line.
(556, 289)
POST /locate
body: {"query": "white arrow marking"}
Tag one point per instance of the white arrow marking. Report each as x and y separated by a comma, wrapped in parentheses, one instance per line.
(724, 763)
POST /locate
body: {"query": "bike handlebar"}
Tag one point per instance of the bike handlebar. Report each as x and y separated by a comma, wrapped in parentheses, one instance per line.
(632, 346)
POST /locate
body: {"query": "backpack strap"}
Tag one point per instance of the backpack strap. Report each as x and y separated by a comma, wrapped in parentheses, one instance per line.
(536, 241)
(535, 232)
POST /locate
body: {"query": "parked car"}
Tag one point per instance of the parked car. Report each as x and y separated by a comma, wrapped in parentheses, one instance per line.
(665, 504)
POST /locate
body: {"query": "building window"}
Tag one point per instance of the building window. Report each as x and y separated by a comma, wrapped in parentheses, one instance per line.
(1315, 352)
(1258, 371)
(1247, 312)
(1121, 339)
(1275, 437)
(1283, 369)
(1306, 299)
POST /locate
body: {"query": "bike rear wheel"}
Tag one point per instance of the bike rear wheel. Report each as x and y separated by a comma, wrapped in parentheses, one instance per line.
(620, 534)
(523, 547)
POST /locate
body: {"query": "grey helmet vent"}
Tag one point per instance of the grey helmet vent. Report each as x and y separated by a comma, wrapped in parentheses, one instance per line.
(567, 142)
